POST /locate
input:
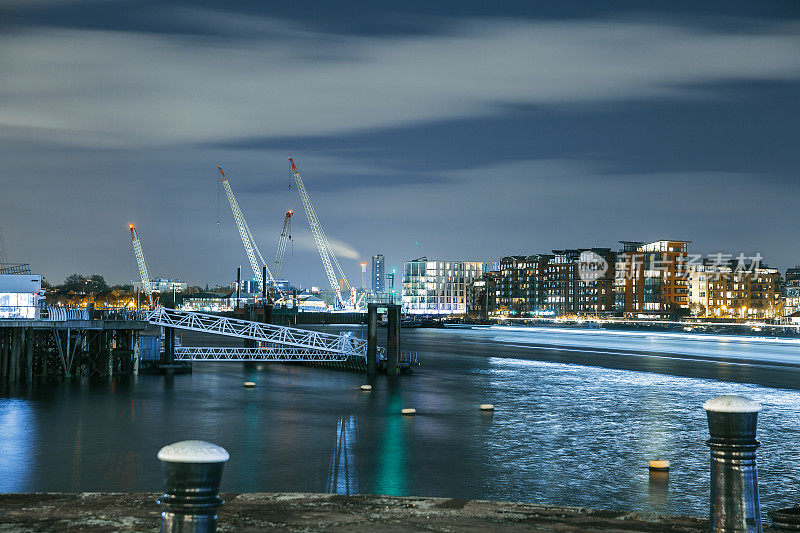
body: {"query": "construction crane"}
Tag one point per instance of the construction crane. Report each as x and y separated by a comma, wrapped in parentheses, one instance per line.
(248, 241)
(324, 247)
(286, 235)
(143, 272)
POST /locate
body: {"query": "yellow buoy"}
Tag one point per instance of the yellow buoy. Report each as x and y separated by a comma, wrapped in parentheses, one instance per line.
(660, 465)
(366, 387)
(487, 407)
(249, 384)
(409, 411)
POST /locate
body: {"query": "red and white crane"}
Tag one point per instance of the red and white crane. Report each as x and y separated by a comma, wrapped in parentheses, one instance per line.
(324, 247)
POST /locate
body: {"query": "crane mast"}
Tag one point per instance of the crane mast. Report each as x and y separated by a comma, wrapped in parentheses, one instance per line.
(323, 246)
(249, 242)
(286, 235)
(140, 261)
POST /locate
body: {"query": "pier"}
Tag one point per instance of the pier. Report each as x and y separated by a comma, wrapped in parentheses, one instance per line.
(68, 342)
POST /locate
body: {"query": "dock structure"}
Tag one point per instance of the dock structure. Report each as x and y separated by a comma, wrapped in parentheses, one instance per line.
(68, 343)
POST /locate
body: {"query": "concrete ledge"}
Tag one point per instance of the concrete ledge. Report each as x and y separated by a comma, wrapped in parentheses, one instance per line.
(291, 512)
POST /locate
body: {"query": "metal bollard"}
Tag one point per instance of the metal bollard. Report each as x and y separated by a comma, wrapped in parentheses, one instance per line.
(734, 480)
(192, 472)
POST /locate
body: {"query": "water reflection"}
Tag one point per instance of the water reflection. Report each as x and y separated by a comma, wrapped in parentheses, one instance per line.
(391, 461)
(16, 444)
(563, 434)
(342, 475)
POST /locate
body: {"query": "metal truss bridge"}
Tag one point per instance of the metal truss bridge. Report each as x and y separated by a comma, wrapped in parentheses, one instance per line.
(281, 343)
(277, 353)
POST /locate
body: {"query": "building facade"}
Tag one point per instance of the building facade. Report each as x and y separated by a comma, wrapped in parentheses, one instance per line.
(570, 281)
(651, 278)
(483, 294)
(163, 285)
(20, 295)
(735, 291)
(438, 287)
(378, 273)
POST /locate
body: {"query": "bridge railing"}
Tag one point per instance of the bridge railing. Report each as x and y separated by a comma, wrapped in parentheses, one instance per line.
(268, 333)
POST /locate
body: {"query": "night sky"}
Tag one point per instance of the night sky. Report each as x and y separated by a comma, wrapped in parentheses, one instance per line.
(455, 130)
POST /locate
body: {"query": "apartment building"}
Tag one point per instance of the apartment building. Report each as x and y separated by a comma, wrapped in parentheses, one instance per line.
(438, 287)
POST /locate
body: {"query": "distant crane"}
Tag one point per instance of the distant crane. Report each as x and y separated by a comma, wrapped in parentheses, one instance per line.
(324, 247)
(286, 235)
(248, 240)
(144, 273)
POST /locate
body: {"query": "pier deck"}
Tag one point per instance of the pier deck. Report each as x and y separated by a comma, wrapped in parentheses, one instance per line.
(327, 512)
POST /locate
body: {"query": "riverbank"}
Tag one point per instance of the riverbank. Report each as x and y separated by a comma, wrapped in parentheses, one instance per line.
(96, 512)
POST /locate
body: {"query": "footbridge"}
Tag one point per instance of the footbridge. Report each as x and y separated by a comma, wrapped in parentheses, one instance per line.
(279, 343)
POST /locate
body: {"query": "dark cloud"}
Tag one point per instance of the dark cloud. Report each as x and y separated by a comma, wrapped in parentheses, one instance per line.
(439, 129)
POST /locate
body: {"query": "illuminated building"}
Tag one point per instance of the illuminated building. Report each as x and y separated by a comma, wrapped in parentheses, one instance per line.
(378, 273)
(650, 278)
(483, 294)
(163, 285)
(19, 295)
(574, 281)
(438, 287)
(791, 291)
(731, 290)
(206, 302)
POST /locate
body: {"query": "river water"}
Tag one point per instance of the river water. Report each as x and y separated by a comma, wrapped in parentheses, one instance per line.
(575, 422)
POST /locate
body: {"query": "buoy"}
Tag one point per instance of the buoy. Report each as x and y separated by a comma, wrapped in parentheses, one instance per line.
(249, 384)
(409, 411)
(659, 465)
(366, 387)
(487, 407)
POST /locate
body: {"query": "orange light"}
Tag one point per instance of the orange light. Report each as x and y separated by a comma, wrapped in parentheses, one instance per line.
(130, 226)
(363, 264)
(290, 212)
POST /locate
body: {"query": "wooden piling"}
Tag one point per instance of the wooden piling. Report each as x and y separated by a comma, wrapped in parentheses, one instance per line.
(393, 340)
(372, 339)
(29, 356)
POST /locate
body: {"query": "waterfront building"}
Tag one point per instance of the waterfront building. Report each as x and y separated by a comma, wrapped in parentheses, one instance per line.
(650, 278)
(438, 287)
(483, 294)
(579, 281)
(570, 281)
(19, 295)
(792, 274)
(208, 302)
(163, 285)
(791, 302)
(733, 290)
(512, 286)
(378, 273)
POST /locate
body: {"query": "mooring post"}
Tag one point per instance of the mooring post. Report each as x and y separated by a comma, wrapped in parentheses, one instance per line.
(192, 472)
(734, 480)
(238, 284)
(372, 339)
(169, 345)
(393, 339)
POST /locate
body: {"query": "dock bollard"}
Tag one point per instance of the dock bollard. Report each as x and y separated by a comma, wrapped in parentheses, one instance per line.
(192, 472)
(734, 480)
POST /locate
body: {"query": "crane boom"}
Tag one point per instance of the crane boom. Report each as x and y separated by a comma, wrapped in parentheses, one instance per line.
(286, 235)
(324, 248)
(249, 242)
(140, 261)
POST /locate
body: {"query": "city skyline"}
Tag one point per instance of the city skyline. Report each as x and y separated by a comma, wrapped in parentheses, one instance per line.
(533, 128)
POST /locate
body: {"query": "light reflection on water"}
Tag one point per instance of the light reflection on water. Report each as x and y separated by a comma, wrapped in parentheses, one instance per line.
(591, 431)
(561, 434)
(16, 442)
